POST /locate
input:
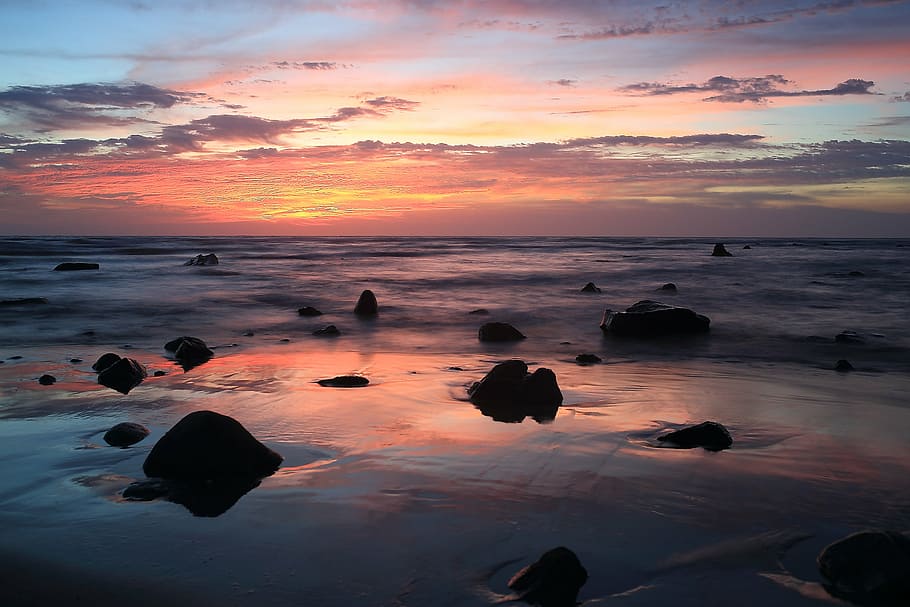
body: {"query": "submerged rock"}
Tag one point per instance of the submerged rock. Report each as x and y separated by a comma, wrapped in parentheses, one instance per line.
(479, 312)
(868, 567)
(344, 381)
(552, 581)
(206, 445)
(843, 366)
(747, 247)
(24, 301)
(587, 359)
(708, 435)
(367, 304)
(720, 251)
(47, 380)
(668, 287)
(590, 288)
(189, 351)
(651, 318)
(508, 393)
(499, 331)
(849, 337)
(328, 331)
(308, 311)
(104, 361)
(123, 375)
(72, 266)
(203, 260)
(125, 434)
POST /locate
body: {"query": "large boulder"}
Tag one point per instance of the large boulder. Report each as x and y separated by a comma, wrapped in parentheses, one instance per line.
(203, 260)
(366, 304)
(72, 266)
(720, 251)
(125, 434)
(205, 446)
(868, 567)
(552, 581)
(499, 331)
(123, 375)
(508, 393)
(104, 361)
(711, 436)
(189, 351)
(651, 318)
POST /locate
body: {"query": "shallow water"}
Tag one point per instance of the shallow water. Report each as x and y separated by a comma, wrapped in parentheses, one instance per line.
(403, 492)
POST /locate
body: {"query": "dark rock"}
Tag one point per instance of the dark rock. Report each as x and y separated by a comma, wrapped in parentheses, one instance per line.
(508, 393)
(843, 366)
(552, 581)
(16, 357)
(868, 567)
(248, 334)
(206, 445)
(849, 337)
(590, 288)
(75, 360)
(159, 373)
(24, 301)
(651, 318)
(344, 381)
(367, 304)
(480, 312)
(308, 311)
(47, 380)
(189, 351)
(709, 435)
(586, 359)
(72, 266)
(668, 287)
(105, 360)
(123, 375)
(720, 251)
(747, 246)
(499, 331)
(203, 260)
(125, 434)
(285, 340)
(329, 331)
(856, 273)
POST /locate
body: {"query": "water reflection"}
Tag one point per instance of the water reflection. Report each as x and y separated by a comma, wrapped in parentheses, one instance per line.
(208, 498)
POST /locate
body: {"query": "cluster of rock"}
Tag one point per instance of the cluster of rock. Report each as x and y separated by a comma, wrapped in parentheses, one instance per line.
(189, 351)
(203, 260)
(120, 373)
(509, 393)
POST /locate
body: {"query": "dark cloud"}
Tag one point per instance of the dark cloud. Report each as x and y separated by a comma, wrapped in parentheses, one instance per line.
(756, 90)
(564, 82)
(386, 103)
(306, 65)
(721, 139)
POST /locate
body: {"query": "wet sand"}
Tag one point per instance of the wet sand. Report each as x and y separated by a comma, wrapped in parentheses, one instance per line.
(404, 493)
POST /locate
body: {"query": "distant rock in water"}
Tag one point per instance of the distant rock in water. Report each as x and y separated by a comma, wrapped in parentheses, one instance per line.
(499, 331)
(344, 381)
(329, 331)
(125, 434)
(104, 361)
(203, 260)
(651, 318)
(868, 567)
(587, 359)
(72, 266)
(308, 311)
(47, 380)
(479, 311)
(720, 251)
(508, 393)
(849, 337)
(24, 301)
(856, 273)
(669, 287)
(554, 580)
(843, 366)
(747, 247)
(189, 351)
(367, 304)
(590, 288)
(123, 375)
(708, 435)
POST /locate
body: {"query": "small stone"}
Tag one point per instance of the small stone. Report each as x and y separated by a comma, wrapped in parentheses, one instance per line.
(587, 359)
(711, 436)
(329, 331)
(849, 337)
(308, 311)
(747, 246)
(47, 380)
(203, 260)
(344, 381)
(159, 373)
(843, 366)
(284, 340)
(668, 287)
(76, 265)
(856, 273)
(499, 331)
(75, 360)
(590, 288)
(720, 251)
(479, 312)
(248, 334)
(125, 434)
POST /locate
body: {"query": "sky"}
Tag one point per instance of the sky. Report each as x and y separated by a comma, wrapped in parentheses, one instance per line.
(432, 117)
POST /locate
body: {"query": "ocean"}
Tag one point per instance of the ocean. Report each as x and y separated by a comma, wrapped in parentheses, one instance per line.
(403, 492)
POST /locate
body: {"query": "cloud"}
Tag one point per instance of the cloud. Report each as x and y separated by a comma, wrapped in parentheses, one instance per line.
(306, 65)
(905, 98)
(757, 89)
(564, 82)
(386, 103)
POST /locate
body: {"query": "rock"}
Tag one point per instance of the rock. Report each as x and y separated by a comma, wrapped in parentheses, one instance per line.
(159, 373)
(147, 490)
(868, 566)
(709, 435)
(855, 273)
(499, 331)
(849, 337)
(552, 581)
(508, 393)
(329, 331)
(480, 312)
(123, 375)
(75, 360)
(308, 311)
(47, 380)
(203, 260)
(344, 381)
(367, 304)
(720, 251)
(587, 359)
(651, 318)
(668, 287)
(843, 366)
(72, 266)
(125, 434)
(747, 247)
(104, 361)
(189, 351)
(24, 301)
(590, 288)
(206, 445)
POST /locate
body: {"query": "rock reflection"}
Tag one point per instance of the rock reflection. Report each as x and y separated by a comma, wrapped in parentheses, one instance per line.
(209, 498)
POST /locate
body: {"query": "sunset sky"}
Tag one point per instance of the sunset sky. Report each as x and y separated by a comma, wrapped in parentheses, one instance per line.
(577, 117)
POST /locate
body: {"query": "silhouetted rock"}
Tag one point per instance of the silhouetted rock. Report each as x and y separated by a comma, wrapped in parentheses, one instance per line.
(367, 304)
(329, 331)
(499, 331)
(843, 366)
(123, 375)
(72, 266)
(344, 381)
(868, 567)
(855, 273)
(75, 360)
(206, 445)
(159, 373)
(552, 581)
(849, 337)
(590, 288)
(24, 301)
(670, 287)
(479, 311)
(308, 311)
(587, 359)
(509, 393)
(189, 351)
(720, 251)
(47, 380)
(651, 318)
(747, 247)
(105, 360)
(203, 260)
(125, 434)
(709, 435)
